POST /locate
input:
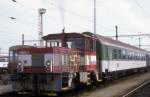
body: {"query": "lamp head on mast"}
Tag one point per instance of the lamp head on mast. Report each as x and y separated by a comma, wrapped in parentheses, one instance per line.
(42, 11)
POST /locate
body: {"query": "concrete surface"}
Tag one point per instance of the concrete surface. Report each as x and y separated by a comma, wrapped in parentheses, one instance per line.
(119, 88)
(6, 88)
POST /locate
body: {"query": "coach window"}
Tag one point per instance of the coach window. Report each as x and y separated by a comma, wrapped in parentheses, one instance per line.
(130, 55)
(115, 54)
(119, 54)
(123, 54)
(138, 56)
(134, 55)
(144, 57)
(141, 56)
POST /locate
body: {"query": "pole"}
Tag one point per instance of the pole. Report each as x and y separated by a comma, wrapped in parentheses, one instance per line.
(41, 12)
(41, 29)
(22, 39)
(94, 16)
(94, 41)
(139, 42)
(116, 32)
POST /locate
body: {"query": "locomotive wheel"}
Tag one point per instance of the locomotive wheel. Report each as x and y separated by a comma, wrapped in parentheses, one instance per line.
(93, 79)
(76, 80)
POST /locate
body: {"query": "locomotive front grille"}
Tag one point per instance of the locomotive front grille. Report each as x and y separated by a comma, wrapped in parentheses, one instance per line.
(37, 60)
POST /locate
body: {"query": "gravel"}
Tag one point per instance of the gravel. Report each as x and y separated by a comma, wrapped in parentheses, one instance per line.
(142, 92)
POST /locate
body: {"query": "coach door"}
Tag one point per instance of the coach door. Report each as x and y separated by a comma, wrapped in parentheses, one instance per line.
(147, 60)
(98, 59)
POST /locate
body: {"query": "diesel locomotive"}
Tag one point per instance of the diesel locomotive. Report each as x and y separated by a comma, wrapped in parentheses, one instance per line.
(70, 59)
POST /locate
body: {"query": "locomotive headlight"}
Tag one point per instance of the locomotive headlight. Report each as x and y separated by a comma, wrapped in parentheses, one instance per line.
(20, 63)
(48, 63)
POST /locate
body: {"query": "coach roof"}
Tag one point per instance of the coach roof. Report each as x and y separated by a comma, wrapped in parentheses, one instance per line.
(112, 42)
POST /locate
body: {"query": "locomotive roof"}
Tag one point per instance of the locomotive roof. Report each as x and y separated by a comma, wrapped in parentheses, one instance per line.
(67, 35)
(112, 42)
(16, 47)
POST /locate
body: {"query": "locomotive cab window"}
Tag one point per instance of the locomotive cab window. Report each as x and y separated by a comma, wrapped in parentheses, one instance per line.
(13, 56)
(76, 43)
(53, 43)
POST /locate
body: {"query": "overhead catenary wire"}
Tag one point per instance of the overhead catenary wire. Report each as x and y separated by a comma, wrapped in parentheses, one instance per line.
(45, 1)
(78, 15)
(106, 8)
(142, 8)
(81, 17)
(68, 11)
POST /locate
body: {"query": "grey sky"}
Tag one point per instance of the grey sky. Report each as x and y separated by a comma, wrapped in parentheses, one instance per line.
(132, 17)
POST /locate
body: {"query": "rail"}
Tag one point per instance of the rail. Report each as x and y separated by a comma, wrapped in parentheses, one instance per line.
(135, 89)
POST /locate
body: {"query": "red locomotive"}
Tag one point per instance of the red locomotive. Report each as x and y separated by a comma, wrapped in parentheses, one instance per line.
(69, 59)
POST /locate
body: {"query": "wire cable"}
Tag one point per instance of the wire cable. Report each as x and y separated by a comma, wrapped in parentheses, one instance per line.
(141, 7)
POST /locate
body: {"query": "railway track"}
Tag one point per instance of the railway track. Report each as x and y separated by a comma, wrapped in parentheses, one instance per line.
(71, 93)
(89, 89)
(136, 89)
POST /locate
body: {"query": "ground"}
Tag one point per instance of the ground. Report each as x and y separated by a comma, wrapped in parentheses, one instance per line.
(118, 88)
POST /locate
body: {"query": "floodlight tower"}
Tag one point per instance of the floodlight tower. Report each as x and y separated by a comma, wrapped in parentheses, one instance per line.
(94, 42)
(41, 12)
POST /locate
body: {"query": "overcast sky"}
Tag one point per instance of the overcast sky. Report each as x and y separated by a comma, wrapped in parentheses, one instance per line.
(131, 16)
